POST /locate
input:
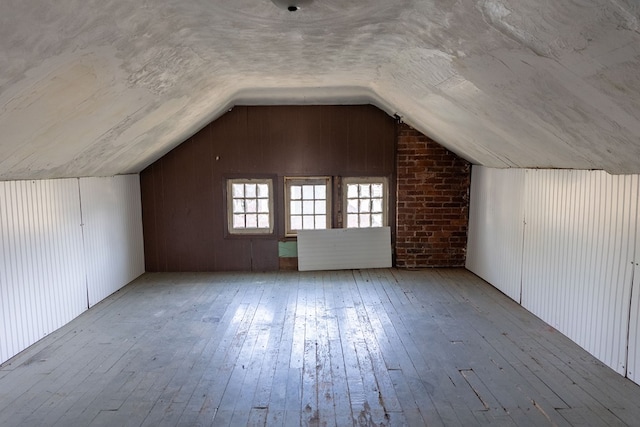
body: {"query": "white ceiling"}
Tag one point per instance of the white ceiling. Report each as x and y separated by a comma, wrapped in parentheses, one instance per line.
(94, 88)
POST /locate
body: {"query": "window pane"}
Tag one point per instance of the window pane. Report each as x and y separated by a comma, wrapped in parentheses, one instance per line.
(365, 220)
(376, 190)
(376, 205)
(263, 190)
(296, 208)
(238, 205)
(238, 190)
(296, 222)
(263, 205)
(307, 207)
(252, 221)
(238, 221)
(263, 221)
(352, 220)
(296, 192)
(365, 204)
(308, 222)
(250, 190)
(251, 205)
(307, 192)
(321, 192)
(244, 205)
(307, 204)
(352, 191)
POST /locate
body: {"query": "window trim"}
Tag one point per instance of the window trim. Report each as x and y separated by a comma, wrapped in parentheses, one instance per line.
(366, 180)
(230, 230)
(288, 181)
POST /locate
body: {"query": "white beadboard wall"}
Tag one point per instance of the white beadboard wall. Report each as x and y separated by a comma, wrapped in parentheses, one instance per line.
(42, 276)
(47, 271)
(494, 246)
(633, 370)
(344, 248)
(112, 229)
(579, 252)
(579, 247)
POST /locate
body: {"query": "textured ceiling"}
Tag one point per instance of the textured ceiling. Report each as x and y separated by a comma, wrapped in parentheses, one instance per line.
(91, 88)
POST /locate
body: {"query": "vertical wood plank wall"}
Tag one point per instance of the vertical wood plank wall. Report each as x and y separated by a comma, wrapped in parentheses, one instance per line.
(183, 192)
(45, 264)
(112, 228)
(42, 276)
(633, 356)
(579, 233)
(496, 218)
(579, 242)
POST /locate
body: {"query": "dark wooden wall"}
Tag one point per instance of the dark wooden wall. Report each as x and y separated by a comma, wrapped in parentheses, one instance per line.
(183, 197)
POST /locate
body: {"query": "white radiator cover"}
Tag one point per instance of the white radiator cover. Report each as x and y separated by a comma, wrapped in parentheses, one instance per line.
(344, 248)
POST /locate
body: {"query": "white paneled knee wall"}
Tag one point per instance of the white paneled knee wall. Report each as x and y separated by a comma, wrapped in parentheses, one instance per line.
(65, 244)
(566, 245)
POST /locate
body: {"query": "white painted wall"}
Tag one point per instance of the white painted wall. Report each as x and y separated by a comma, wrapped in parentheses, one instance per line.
(633, 370)
(579, 248)
(494, 246)
(48, 272)
(112, 229)
(579, 237)
(42, 276)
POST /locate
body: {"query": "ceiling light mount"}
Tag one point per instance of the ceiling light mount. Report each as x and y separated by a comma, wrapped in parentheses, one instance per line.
(291, 5)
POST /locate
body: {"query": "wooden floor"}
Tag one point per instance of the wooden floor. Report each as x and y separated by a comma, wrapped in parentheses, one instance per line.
(365, 348)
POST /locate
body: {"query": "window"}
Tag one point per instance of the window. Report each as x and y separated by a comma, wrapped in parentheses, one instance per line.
(365, 202)
(308, 202)
(250, 206)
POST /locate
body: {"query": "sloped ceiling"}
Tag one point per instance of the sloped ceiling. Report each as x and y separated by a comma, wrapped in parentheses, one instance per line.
(93, 88)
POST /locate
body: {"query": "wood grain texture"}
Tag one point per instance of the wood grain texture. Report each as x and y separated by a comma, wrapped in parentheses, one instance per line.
(184, 205)
(382, 347)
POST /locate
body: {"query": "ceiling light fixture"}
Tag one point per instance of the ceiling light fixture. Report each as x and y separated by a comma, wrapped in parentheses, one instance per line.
(291, 5)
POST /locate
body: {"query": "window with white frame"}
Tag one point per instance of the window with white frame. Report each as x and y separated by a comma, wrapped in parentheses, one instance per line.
(307, 202)
(365, 202)
(250, 206)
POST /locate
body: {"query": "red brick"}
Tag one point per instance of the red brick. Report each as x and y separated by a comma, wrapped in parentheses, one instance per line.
(432, 203)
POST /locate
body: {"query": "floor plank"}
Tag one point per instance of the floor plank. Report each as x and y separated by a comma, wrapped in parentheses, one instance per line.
(380, 348)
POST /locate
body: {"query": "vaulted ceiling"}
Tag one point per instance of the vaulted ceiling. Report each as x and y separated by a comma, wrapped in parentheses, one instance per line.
(94, 88)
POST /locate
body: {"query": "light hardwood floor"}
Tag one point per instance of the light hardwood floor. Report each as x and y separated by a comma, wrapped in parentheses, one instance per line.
(366, 348)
